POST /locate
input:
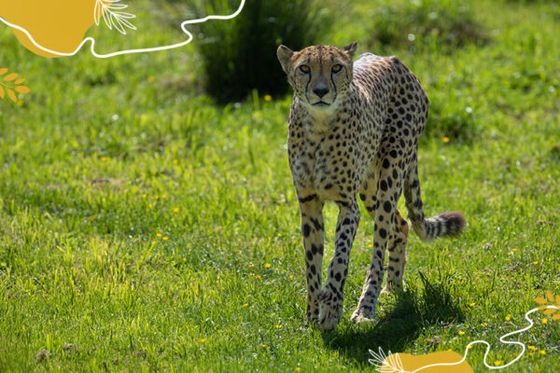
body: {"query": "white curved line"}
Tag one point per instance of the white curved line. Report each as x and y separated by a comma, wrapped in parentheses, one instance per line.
(502, 339)
(128, 51)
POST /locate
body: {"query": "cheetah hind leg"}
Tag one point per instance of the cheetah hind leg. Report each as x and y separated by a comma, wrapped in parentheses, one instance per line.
(397, 255)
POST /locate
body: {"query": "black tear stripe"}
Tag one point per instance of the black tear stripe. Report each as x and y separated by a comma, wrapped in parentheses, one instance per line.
(309, 198)
(307, 86)
(334, 86)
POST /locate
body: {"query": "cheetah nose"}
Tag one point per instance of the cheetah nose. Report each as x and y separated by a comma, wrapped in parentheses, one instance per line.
(321, 91)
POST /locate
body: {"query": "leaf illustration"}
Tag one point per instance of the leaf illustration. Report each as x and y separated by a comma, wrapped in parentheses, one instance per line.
(540, 300)
(110, 11)
(549, 311)
(10, 77)
(556, 317)
(11, 84)
(558, 300)
(550, 297)
(22, 89)
(12, 95)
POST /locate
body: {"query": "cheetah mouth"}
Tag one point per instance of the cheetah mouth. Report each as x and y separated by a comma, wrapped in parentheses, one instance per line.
(321, 104)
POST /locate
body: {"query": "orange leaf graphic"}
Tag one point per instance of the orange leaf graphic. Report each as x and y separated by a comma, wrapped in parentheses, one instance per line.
(549, 311)
(10, 77)
(11, 85)
(540, 300)
(549, 296)
(22, 89)
(556, 317)
(12, 95)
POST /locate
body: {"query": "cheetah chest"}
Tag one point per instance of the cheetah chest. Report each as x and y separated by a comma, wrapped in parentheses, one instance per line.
(327, 165)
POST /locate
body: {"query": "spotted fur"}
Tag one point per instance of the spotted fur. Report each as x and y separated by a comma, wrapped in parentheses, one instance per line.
(354, 130)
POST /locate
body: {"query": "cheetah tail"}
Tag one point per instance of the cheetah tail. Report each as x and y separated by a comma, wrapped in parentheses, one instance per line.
(448, 224)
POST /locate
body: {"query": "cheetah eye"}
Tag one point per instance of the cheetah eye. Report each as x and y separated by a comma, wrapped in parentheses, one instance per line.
(305, 69)
(336, 68)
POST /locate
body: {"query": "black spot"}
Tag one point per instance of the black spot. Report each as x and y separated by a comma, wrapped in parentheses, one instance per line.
(386, 163)
(337, 277)
(387, 206)
(383, 185)
(306, 229)
(382, 233)
(309, 255)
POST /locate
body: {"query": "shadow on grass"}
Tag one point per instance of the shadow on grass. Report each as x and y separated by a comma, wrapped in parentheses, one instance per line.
(412, 310)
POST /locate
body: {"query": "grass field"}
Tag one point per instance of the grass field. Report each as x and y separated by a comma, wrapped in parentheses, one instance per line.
(144, 228)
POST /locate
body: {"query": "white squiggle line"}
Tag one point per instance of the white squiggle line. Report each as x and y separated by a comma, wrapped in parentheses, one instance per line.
(502, 339)
(128, 51)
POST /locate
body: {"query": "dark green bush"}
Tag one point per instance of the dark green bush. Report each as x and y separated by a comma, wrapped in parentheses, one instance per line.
(451, 123)
(446, 23)
(239, 55)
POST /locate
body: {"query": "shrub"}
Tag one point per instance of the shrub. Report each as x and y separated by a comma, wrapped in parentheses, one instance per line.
(452, 123)
(239, 55)
(446, 23)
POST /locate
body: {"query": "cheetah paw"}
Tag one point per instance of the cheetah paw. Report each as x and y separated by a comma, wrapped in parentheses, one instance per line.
(363, 315)
(330, 310)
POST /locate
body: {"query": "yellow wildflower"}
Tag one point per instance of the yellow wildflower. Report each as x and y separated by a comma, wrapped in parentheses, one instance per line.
(267, 98)
(508, 317)
(544, 321)
(267, 265)
(542, 352)
(461, 332)
(531, 348)
(445, 139)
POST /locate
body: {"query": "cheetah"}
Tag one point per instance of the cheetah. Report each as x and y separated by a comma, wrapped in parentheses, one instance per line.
(353, 130)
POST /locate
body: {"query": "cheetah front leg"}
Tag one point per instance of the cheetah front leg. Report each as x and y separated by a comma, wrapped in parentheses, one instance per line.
(311, 210)
(330, 298)
(382, 206)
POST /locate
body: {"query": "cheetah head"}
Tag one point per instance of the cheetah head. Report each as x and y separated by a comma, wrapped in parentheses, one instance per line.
(320, 75)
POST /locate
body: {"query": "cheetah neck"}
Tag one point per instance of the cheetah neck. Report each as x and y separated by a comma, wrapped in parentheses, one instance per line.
(320, 121)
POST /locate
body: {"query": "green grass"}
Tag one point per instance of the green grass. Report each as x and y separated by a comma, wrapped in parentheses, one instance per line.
(144, 228)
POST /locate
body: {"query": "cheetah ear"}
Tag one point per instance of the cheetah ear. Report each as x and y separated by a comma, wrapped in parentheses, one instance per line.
(284, 55)
(350, 49)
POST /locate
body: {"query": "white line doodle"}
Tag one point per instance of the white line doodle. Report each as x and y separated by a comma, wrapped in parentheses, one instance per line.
(129, 51)
(380, 358)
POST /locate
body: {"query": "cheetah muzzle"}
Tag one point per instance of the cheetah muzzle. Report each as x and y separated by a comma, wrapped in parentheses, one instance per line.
(353, 130)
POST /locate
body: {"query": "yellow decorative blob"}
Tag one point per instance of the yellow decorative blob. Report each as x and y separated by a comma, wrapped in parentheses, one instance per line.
(414, 363)
(58, 25)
